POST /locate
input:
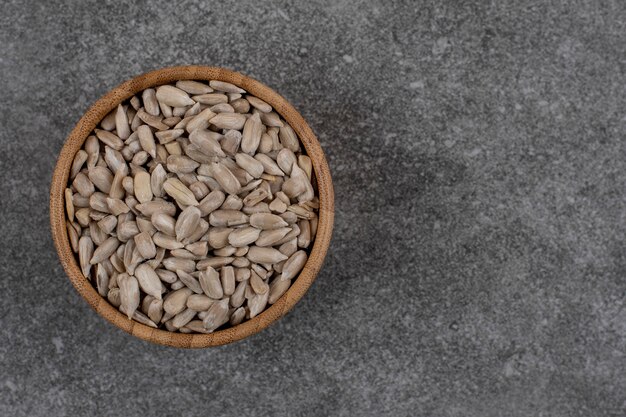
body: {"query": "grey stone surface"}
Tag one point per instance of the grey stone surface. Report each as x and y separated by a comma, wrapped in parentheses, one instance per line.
(478, 264)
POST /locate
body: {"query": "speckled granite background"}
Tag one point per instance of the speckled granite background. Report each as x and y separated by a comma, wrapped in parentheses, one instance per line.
(478, 265)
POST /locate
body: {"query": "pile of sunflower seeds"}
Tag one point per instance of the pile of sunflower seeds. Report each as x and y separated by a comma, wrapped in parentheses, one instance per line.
(191, 207)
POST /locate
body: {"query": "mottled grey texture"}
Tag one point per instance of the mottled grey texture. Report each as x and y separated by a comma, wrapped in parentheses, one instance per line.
(478, 264)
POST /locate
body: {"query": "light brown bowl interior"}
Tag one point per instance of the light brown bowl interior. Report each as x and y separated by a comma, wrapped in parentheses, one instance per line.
(89, 121)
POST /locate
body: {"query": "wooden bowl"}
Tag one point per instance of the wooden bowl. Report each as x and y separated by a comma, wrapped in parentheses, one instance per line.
(86, 125)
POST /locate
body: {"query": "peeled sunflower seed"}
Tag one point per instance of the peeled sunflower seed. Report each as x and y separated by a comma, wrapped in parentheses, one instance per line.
(215, 262)
(183, 318)
(266, 144)
(194, 87)
(144, 225)
(299, 175)
(194, 326)
(126, 230)
(199, 122)
(288, 138)
(98, 202)
(267, 221)
(295, 232)
(227, 277)
(109, 139)
(290, 217)
(69, 204)
(289, 248)
(167, 136)
(225, 87)
(114, 160)
(241, 251)
(156, 206)
(114, 297)
(158, 258)
(257, 303)
(176, 301)
(150, 102)
(278, 206)
(220, 218)
(259, 104)
(97, 235)
(121, 123)
(145, 245)
(179, 192)
(285, 160)
(269, 166)
(199, 233)
(225, 178)
(217, 315)
(187, 222)
(210, 283)
(277, 288)
(237, 316)
(146, 139)
(232, 202)
(229, 121)
(243, 236)
(300, 211)
(261, 207)
(164, 223)
(189, 281)
(225, 251)
(252, 131)
(101, 177)
(270, 237)
(261, 271)
(148, 280)
(265, 255)
(218, 236)
(164, 275)
(129, 294)
(313, 225)
(172, 121)
(294, 265)
(304, 239)
(155, 310)
(198, 248)
(104, 250)
(231, 141)
(258, 285)
(207, 142)
(181, 164)
(173, 96)
(238, 296)
(174, 264)
(141, 318)
(143, 191)
(199, 302)
(73, 236)
(92, 147)
(240, 261)
(199, 189)
(135, 103)
(83, 185)
(211, 98)
(271, 119)
(79, 160)
(251, 165)
(222, 108)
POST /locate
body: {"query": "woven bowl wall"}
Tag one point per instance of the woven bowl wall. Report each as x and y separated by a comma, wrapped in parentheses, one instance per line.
(86, 125)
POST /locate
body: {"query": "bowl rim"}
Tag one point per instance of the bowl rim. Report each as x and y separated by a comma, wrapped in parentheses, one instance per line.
(89, 121)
